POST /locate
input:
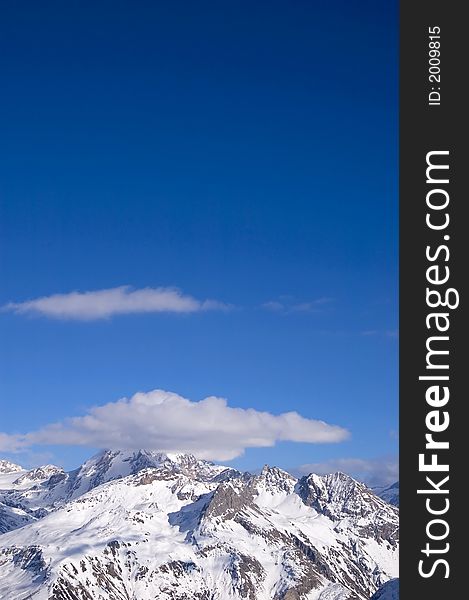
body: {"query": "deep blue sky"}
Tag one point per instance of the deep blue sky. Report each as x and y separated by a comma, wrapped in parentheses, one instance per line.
(242, 151)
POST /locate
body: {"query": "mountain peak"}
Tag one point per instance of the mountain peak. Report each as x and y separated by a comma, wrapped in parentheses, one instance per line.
(39, 474)
(338, 495)
(7, 466)
(142, 455)
(274, 479)
(108, 465)
(268, 471)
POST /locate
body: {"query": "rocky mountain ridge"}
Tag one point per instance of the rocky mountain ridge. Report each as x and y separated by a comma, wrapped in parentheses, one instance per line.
(145, 525)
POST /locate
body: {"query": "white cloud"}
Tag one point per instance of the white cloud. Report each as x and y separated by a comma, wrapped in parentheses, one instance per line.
(274, 306)
(102, 304)
(374, 472)
(287, 305)
(168, 422)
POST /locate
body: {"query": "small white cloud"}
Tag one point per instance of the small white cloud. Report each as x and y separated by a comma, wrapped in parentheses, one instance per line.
(168, 422)
(289, 306)
(102, 304)
(374, 472)
(274, 306)
(306, 307)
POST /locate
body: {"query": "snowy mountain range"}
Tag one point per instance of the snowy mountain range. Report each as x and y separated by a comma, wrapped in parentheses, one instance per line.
(146, 525)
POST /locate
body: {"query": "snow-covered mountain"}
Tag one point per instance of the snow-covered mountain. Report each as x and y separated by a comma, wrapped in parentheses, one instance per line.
(38, 474)
(389, 493)
(146, 525)
(8, 467)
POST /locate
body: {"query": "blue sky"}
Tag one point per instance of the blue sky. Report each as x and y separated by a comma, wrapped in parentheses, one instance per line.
(244, 153)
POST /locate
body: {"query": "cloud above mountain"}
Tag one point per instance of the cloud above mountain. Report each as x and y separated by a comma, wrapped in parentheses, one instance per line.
(165, 421)
(103, 304)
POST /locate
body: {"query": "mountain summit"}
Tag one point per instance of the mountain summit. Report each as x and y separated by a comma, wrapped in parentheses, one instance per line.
(8, 467)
